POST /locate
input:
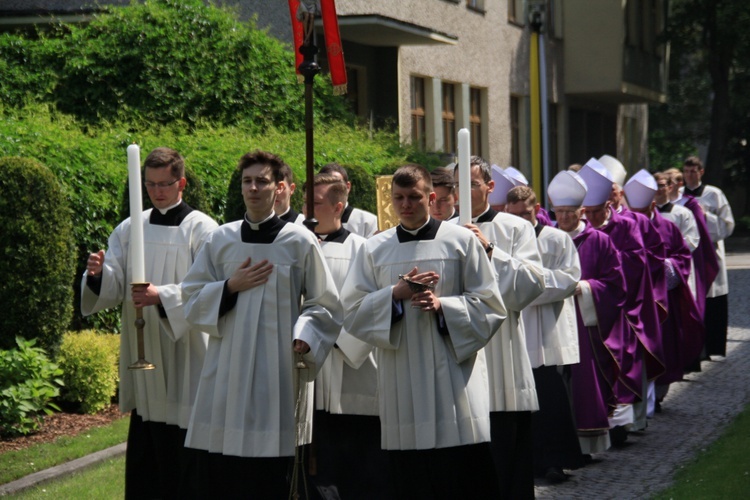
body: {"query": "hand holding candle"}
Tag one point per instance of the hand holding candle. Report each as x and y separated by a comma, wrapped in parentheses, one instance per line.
(464, 178)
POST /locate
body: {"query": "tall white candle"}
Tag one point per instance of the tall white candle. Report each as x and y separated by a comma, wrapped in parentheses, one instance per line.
(464, 177)
(138, 267)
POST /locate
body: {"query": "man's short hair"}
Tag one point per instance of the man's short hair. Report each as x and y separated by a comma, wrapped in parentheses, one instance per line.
(693, 161)
(575, 167)
(288, 174)
(659, 176)
(409, 175)
(275, 163)
(335, 167)
(336, 193)
(443, 177)
(521, 193)
(162, 157)
(484, 167)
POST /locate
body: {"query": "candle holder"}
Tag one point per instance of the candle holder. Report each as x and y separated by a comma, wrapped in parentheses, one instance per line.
(141, 363)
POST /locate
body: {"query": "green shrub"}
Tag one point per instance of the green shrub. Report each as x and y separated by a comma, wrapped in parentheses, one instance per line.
(89, 364)
(37, 265)
(28, 383)
(162, 61)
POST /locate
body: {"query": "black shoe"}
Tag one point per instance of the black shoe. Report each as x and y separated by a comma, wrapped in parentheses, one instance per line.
(555, 475)
(657, 407)
(618, 435)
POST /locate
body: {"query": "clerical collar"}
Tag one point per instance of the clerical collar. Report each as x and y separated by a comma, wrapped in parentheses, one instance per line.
(173, 216)
(666, 208)
(290, 215)
(348, 209)
(697, 192)
(485, 216)
(578, 230)
(427, 232)
(263, 232)
(256, 226)
(338, 236)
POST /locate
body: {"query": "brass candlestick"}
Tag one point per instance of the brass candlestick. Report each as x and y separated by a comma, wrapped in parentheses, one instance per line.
(141, 363)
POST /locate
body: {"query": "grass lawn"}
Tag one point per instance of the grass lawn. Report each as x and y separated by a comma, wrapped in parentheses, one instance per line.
(17, 464)
(722, 470)
(102, 481)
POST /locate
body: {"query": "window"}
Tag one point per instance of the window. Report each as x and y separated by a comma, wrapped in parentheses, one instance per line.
(475, 120)
(477, 5)
(449, 118)
(515, 12)
(515, 137)
(418, 128)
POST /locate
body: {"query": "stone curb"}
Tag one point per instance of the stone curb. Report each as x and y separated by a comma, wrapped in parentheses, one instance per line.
(56, 472)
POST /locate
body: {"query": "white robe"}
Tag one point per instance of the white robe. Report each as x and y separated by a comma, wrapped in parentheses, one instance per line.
(166, 393)
(720, 223)
(550, 320)
(432, 387)
(520, 278)
(245, 404)
(361, 222)
(684, 219)
(348, 380)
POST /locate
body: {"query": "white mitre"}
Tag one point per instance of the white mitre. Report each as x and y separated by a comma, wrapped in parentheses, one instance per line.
(615, 168)
(640, 189)
(567, 189)
(599, 182)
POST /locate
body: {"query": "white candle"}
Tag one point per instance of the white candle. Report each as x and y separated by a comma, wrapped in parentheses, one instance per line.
(138, 267)
(464, 177)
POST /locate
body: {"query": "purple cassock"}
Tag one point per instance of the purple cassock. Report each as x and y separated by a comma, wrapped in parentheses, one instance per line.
(705, 263)
(683, 333)
(594, 377)
(626, 238)
(543, 217)
(654, 309)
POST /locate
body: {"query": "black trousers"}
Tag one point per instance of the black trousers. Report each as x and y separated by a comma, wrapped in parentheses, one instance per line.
(445, 473)
(512, 450)
(554, 433)
(717, 323)
(155, 459)
(346, 453)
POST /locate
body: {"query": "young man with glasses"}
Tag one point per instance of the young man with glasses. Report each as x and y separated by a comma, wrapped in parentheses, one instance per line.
(159, 400)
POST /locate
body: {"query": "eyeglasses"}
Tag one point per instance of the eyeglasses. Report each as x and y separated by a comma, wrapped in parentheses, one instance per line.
(474, 185)
(160, 185)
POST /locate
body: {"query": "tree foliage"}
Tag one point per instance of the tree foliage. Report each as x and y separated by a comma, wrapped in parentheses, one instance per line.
(708, 101)
(162, 61)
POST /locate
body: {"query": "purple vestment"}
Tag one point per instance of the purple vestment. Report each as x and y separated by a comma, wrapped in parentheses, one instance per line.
(705, 263)
(594, 377)
(543, 217)
(626, 238)
(683, 333)
(654, 309)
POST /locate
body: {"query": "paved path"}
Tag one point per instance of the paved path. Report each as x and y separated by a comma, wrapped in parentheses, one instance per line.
(695, 412)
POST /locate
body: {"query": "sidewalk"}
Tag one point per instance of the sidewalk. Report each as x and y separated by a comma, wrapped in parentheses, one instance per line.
(694, 414)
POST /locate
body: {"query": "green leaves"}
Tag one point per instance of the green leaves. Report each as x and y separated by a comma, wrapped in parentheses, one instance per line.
(28, 383)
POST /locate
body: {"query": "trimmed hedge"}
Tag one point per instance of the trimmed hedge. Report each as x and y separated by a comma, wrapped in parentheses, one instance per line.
(37, 264)
(89, 364)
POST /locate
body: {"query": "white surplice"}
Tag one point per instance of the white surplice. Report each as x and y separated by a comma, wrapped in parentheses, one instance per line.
(684, 219)
(361, 222)
(550, 320)
(166, 393)
(246, 399)
(348, 380)
(520, 278)
(432, 387)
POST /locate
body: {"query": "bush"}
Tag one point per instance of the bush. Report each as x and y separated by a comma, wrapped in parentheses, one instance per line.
(89, 363)
(37, 265)
(162, 61)
(28, 383)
